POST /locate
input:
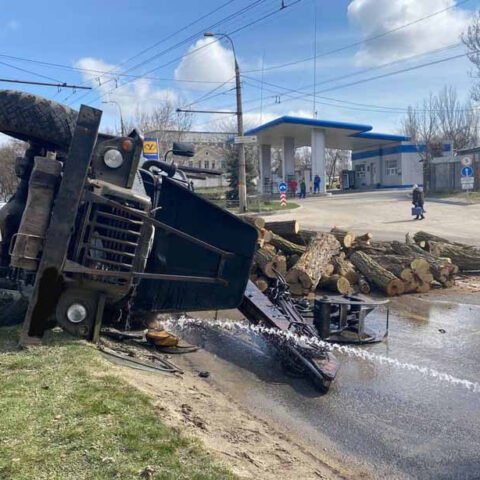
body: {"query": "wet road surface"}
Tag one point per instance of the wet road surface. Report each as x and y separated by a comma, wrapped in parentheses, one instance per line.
(388, 422)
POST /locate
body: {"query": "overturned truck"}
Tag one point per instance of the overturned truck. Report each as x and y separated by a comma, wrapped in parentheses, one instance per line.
(94, 236)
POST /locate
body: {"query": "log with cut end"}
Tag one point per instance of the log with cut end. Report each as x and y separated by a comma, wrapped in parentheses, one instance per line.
(262, 283)
(288, 227)
(257, 222)
(366, 237)
(398, 265)
(311, 265)
(345, 237)
(466, 258)
(422, 239)
(363, 285)
(266, 235)
(379, 276)
(269, 263)
(442, 271)
(303, 237)
(335, 283)
(345, 268)
(287, 247)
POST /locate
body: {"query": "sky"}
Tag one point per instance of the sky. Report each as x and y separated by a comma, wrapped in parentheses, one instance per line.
(139, 53)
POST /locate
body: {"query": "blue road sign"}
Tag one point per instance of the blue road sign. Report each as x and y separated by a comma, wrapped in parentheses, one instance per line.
(282, 187)
(467, 172)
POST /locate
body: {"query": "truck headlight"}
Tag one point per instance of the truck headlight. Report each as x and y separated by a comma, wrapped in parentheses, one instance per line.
(76, 313)
(113, 158)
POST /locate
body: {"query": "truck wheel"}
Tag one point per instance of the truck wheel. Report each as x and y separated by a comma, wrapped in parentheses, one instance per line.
(32, 118)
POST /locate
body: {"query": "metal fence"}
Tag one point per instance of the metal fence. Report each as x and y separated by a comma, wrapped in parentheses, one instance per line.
(446, 173)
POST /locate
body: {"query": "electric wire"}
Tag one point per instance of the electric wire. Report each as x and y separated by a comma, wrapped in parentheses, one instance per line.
(360, 42)
(183, 42)
(239, 29)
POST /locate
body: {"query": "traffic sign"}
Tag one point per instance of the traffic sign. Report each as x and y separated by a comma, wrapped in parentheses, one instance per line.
(467, 172)
(466, 161)
(282, 187)
(467, 183)
(283, 199)
(246, 139)
(150, 148)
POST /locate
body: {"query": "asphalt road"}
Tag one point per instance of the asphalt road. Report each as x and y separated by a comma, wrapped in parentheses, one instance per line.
(386, 421)
(386, 214)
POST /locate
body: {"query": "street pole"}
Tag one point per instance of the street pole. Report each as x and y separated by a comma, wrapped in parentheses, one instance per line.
(242, 167)
(122, 126)
(242, 175)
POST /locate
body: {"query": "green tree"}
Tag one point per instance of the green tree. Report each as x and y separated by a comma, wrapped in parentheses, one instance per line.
(231, 158)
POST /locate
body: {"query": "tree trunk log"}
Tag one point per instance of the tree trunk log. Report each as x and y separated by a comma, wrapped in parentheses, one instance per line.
(425, 237)
(311, 265)
(345, 268)
(336, 283)
(373, 271)
(287, 247)
(345, 237)
(265, 260)
(303, 237)
(398, 265)
(257, 222)
(288, 227)
(366, 237)
(465, 258)
(262, 284)
(442, 271)
(292, 260)
(363, 285)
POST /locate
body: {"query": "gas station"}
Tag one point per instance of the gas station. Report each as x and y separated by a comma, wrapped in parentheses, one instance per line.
(379, 160)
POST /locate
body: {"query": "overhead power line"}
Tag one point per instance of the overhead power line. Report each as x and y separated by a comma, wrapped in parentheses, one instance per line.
(187, 40)
(103, 72)
(239, 29)
(309, 94)
(360, 42)
(45, 84)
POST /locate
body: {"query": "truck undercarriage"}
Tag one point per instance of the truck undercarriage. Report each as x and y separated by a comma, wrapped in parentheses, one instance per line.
(93, 237)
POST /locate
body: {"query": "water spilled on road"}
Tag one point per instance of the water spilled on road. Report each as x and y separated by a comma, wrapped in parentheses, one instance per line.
(183, 323)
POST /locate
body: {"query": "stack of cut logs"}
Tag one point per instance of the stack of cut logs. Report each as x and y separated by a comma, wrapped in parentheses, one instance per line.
(341, 262)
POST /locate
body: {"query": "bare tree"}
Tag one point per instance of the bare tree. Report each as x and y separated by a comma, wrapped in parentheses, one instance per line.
(163, 120)
(471, 39)
(437, 119)
(457, 122)
(336, 161)
(9, 151)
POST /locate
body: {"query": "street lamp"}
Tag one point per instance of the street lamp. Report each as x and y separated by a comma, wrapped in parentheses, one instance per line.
(122, 126)
(242, 182)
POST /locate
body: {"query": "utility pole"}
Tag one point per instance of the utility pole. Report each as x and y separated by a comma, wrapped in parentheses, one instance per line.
(242, 175)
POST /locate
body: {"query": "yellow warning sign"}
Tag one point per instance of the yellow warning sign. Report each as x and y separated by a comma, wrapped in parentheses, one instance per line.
(150, 147)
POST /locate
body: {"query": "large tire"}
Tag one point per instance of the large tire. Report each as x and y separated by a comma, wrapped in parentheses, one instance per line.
(36, 119)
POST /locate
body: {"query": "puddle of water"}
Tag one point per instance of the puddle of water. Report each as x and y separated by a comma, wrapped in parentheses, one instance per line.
(241, 327)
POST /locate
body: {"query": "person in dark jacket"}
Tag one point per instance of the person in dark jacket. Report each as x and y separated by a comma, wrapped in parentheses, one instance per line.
(418, 200)
(303, 189)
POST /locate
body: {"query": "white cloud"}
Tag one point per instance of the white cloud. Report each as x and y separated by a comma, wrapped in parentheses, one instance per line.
(136, 96)
(212, 63)
(375, 17)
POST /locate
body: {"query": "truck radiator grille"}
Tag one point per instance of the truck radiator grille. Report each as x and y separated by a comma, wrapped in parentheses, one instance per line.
(112, 239)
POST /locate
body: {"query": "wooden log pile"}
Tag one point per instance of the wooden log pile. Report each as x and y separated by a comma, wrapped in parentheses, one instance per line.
(342, 262)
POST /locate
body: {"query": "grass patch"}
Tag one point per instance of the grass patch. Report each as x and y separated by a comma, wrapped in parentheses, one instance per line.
(63, 416)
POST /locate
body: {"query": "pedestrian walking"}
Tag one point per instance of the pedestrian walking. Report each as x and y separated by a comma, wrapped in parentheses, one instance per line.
(303, 189)
(293, 184)
(316, 184)
(418, 201)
